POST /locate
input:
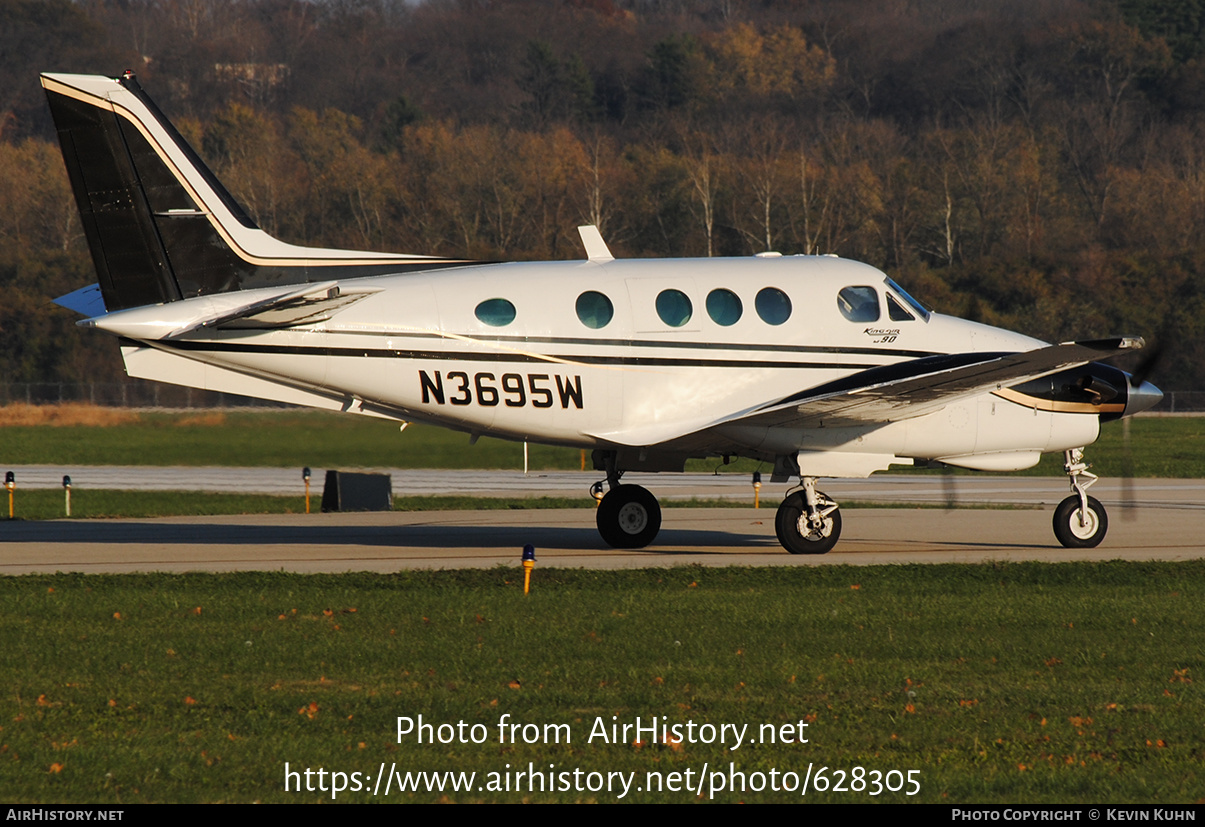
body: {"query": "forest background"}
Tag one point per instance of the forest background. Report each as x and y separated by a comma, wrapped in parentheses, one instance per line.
(1033, 164)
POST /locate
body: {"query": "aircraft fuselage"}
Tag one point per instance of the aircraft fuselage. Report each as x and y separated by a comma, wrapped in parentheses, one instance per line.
(418, 349)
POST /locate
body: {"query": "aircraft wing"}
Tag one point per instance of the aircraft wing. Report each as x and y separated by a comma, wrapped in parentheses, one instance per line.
(895, 392)
(921, 386)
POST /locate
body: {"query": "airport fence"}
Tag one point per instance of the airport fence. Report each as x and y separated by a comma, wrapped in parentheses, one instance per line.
(139, 394)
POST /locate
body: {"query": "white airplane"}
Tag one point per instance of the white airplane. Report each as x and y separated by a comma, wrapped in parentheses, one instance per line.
(823, 367)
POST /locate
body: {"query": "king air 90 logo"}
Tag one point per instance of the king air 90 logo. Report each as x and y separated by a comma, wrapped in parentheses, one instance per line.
(881, 335)
(514, 390)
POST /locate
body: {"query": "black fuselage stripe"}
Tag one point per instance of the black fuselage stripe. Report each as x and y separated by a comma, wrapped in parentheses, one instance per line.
(470, 356)
(568, 340)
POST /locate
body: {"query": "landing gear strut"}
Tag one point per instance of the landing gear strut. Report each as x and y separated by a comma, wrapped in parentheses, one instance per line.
(1080, 521)
(629, 515)
(808, 522)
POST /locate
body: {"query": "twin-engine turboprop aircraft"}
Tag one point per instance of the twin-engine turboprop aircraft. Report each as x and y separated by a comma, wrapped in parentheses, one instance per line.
(822, 366)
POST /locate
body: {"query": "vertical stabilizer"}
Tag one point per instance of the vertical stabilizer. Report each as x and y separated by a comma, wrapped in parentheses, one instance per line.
(159, 224)
(116, 213)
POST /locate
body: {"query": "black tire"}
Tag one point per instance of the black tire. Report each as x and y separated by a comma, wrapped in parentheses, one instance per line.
(1067, 526)
(628, 517)
(786, 524)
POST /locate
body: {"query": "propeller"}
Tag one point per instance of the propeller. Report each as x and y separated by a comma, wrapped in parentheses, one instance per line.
(1144, 369)
(949, 486)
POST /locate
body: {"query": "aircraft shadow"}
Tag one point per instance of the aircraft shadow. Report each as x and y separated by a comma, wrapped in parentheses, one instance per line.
(420, 536)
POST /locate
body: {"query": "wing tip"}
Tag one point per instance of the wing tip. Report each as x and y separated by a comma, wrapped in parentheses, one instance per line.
(1113, 344)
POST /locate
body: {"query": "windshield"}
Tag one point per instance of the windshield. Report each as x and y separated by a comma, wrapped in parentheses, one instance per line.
(913, 303)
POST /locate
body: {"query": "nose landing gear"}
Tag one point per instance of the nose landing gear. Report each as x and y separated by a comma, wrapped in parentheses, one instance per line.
(1080, 521)
(808, 522)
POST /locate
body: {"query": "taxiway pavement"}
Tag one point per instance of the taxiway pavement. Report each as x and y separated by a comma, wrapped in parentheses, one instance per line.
(887, 488)
(1166, 521)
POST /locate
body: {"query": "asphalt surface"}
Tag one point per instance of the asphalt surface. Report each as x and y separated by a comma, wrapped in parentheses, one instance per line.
(1165, 520)
(887, 488)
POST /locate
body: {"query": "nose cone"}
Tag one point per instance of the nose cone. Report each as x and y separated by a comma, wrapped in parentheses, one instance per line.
(1142, 398)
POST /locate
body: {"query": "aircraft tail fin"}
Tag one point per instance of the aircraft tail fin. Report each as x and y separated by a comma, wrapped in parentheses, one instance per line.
(159, 224)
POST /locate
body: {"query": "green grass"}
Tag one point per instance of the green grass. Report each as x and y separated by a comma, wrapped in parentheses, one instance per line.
(1160, 447)
(270, 438)
(1017, 683)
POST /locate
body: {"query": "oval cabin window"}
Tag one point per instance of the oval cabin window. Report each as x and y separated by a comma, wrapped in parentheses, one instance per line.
(674, 307)
(773, 305)
(594, 310)
(496, 312)
(724, 307)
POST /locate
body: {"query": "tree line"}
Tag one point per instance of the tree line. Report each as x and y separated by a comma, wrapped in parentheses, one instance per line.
(1038, 165)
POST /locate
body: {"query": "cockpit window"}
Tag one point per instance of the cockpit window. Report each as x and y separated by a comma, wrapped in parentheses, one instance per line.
(920, 309)
(859, 304)
(897, 313)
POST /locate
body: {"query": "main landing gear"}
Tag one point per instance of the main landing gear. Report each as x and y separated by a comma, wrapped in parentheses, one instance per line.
(808, 522)
(629, 515)
(1080, 521)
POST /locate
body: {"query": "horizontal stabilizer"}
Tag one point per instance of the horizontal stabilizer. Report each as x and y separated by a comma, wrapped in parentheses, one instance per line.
(279, 308)
(87, 301)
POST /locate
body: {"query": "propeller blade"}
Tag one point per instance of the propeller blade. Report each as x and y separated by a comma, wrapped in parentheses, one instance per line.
(949, 487)
(1150, 361)
(1127, 474)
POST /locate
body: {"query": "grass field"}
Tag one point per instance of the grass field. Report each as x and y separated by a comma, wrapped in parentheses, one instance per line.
(1019, 683)
(1160, 447)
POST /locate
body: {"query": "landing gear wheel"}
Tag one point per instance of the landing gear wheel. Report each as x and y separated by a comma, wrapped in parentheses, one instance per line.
(796, 536)
(1074, 534)
(628, 517)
